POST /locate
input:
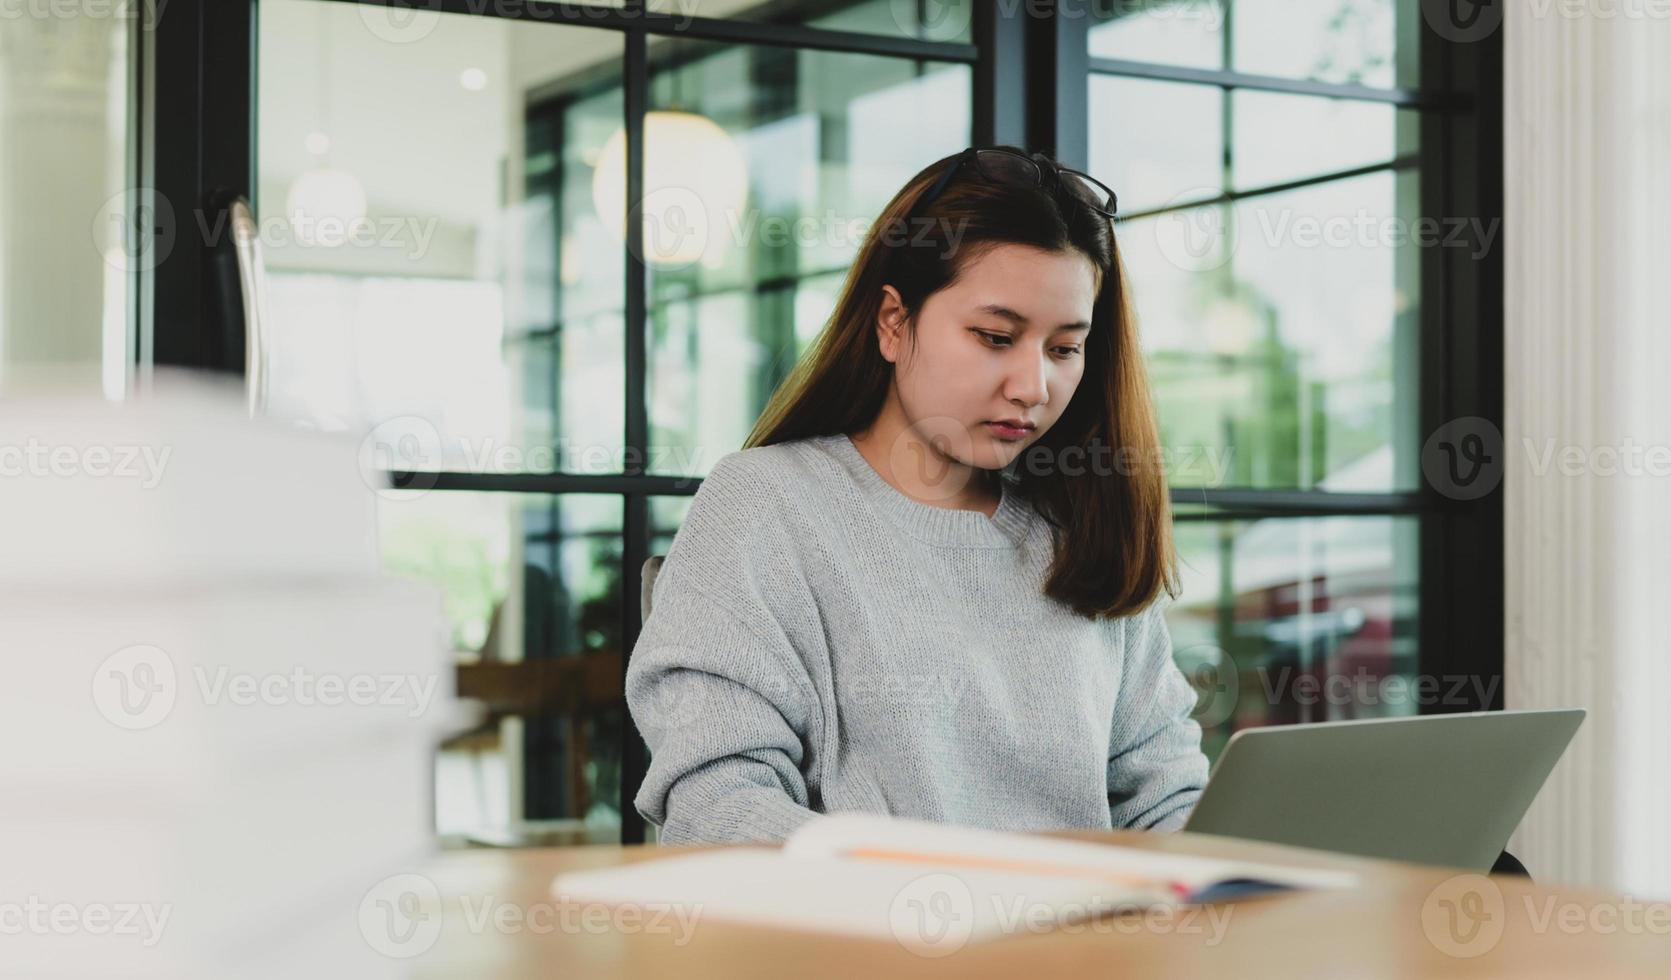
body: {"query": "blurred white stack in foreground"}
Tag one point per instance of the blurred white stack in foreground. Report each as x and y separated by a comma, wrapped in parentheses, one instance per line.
(218, 717)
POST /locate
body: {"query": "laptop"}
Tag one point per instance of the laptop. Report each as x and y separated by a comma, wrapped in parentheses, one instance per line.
(1442, 790)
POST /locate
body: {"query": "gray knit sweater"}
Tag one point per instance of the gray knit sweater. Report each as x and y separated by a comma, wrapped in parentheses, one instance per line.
(821, 642)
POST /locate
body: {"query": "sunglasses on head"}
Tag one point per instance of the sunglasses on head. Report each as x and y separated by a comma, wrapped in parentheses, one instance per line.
(1001, 163)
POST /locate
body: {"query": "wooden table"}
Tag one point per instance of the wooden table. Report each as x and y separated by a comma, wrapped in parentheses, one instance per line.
(1399, 923)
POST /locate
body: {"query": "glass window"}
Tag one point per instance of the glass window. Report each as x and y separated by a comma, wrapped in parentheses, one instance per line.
(573, 326)
(1139, 149)
(1280, 332)
(1275, 136)
(1280, 316)
(65, 297)
(1286, 620)
(524, 577)
(746, 253)
(666, 515)
(1281, 328)
(478, 324)
(483, 309)
(1186, 33)
(565, 548)
(1359, 42)
(929, 20)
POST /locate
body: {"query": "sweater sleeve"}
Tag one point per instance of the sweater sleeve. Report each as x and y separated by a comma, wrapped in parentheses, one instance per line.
(714, 684)
(1156, 769)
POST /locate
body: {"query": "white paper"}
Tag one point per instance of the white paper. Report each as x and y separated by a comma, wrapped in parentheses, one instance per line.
(813, 883)
(918, 907)
(835, 834)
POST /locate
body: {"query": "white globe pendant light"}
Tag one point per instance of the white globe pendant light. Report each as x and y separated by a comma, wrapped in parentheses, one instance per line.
(695, 184)
(325, 205)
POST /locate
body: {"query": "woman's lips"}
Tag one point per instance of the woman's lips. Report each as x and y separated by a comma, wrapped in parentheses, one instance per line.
(1010, 433)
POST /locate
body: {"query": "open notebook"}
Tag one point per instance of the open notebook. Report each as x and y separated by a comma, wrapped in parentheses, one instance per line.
(923, 883)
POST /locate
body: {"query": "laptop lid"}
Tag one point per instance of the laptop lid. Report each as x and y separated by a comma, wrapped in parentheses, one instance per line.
(1434, 789)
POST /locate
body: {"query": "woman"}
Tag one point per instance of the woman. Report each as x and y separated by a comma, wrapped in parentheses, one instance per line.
(928, 584)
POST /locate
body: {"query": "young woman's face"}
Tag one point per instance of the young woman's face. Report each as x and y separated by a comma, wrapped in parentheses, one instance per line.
(1005, 342)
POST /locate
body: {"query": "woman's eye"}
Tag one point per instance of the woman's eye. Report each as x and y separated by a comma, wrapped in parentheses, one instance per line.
(1003, 340)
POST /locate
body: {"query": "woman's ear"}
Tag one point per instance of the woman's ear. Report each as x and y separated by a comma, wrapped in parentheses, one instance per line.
(890, 324)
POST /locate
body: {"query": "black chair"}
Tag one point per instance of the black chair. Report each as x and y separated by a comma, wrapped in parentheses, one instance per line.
(1508, 864)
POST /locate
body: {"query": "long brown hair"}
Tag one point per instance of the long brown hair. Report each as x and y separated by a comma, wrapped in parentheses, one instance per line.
(1111, 526)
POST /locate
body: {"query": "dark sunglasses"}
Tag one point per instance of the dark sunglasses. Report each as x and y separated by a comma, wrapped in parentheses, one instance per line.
(999, 163)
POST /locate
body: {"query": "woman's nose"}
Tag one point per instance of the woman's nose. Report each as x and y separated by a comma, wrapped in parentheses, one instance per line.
(1029, 380)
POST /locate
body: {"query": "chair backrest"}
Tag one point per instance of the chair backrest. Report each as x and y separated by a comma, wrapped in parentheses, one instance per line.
(652, 568)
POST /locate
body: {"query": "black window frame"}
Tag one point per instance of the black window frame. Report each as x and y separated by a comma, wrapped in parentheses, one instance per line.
(1030, 87)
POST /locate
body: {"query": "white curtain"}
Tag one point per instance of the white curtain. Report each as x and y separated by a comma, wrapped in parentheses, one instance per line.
(1588, 427)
